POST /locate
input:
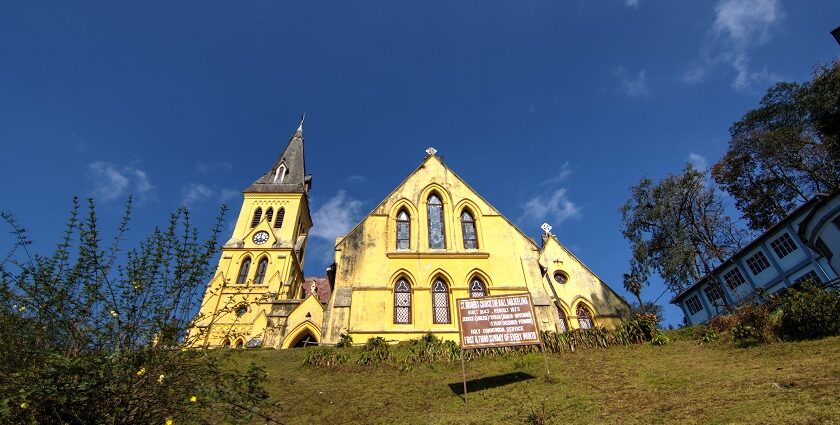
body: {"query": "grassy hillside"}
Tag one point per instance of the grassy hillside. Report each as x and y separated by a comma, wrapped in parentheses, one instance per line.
(679, 383)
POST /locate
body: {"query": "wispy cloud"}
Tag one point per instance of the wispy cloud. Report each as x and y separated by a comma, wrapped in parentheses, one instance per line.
(554, 207)
(336, 216)
(698, 161)
(633, 84)
(197, 193)
(111, 182)
(739, 27)
(202, 167)
(563, 174)
(633, 3)
(356, 179)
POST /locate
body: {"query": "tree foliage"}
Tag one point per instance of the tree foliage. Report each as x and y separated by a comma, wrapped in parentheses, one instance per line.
(92, 336)
(678, 229)
(786, 150)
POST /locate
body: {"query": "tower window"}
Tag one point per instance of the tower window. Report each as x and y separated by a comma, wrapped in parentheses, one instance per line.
(260, 276)
(584, 317)
(435, 212)
(477, 288)
(403, 230)
(243, 271)
(402, 302)
(269, 214)
(257, 216)
(440, 301)
(281, 213)
(468, 230)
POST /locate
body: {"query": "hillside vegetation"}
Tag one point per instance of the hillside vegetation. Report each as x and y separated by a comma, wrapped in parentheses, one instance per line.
(683, 382)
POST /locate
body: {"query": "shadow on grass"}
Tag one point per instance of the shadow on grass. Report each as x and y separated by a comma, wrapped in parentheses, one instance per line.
(474, 385)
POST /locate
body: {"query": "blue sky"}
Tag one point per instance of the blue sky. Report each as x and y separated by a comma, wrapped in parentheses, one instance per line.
(562, 104)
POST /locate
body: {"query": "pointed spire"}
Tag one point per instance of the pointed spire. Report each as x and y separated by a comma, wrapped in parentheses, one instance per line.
(299, 131)
(288, 175)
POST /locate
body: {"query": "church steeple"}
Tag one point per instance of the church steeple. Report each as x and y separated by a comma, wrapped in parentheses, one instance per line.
(288, 175)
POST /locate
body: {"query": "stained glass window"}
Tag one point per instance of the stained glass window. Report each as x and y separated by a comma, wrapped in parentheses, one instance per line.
(260, 276)
(402, 302)
(468, 229)
(403, 230)
(243, 271)
(477, 289)
(584, 317)
(435, 209)
(257, 217)
(440, 302)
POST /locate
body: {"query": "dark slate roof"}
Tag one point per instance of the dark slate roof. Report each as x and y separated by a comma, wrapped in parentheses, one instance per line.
(322, 286)
(296, 179)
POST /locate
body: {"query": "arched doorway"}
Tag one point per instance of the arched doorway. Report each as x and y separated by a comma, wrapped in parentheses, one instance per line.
(305, 339)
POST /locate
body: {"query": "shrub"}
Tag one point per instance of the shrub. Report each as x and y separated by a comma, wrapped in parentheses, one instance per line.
(375, 352)
(810, 313)
(345, 341)
(324, 357)
(660, 339)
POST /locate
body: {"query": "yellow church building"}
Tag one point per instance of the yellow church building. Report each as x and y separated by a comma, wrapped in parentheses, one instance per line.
(396, 274)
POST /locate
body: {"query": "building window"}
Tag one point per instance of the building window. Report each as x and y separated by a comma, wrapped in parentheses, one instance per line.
(563, 326)
(260, 276)
(561, 277)
(402, 302)
(712, 294)
(435, 211)
(226, 343)
(269, 214)
(257, 216)
(810, 277)
(241, 310)
(440, 301)
(239, 344)
(734, 278)
(403, 230)
(693, 305)
(783, 245)
(584, 317)
(243, 271)
(823, 249)
(280, 214)
(468, 230)
(477, 288)
(758, 263)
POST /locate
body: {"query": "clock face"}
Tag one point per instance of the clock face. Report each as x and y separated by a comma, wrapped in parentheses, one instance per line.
(260, 237)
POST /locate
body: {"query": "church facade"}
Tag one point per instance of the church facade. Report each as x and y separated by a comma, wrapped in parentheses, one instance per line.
(395, 275)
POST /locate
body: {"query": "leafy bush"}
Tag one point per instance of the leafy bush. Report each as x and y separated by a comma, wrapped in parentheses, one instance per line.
(375, 352)
(810, 313)
(90, 338)
(660, 339)
(345, 340)
(324, 357)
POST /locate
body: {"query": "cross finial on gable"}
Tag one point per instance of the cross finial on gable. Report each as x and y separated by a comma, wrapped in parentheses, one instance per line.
(431, 151)
(546, 228)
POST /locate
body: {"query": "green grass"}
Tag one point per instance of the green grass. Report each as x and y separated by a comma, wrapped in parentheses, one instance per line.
(796, 382)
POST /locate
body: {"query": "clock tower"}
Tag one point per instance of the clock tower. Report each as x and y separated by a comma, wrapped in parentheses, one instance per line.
(259, 282)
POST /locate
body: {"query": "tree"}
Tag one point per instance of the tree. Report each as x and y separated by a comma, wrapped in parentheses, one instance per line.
(678, 229)
(90, 336)
(786, 150)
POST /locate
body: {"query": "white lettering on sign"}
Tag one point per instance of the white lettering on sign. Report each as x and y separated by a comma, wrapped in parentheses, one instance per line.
(497, 321)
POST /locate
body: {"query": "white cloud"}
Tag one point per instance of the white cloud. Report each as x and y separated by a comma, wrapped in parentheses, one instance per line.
(698, 161)
(563, 174)
(356, 179)
(633, 85)
(739, 27)
(196, 193)
(336, 216)
(111, 182)
(202, 167)
(554, 208)
(633, 3)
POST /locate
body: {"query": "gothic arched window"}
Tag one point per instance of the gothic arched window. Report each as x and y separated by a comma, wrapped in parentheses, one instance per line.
(440, 301)
(402, 302)
(243, 271)
(257, 217)
(477, 288)
(468, 230)
(435, 212)
(261, 266)
(240, 343)
(584, 317)
(563, 326)
(403, 230)
(269, 214)
(226, 343)
(280, 214)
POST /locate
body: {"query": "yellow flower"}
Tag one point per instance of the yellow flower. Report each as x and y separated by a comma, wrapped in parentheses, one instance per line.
(23, 307)
(160, 379)
(25, 405)
(114, 313)
(169, 421)
(141, 372)
(136, 284)
(193, 399)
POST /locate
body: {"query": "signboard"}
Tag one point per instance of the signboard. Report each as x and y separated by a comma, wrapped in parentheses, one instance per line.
(497, 321)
